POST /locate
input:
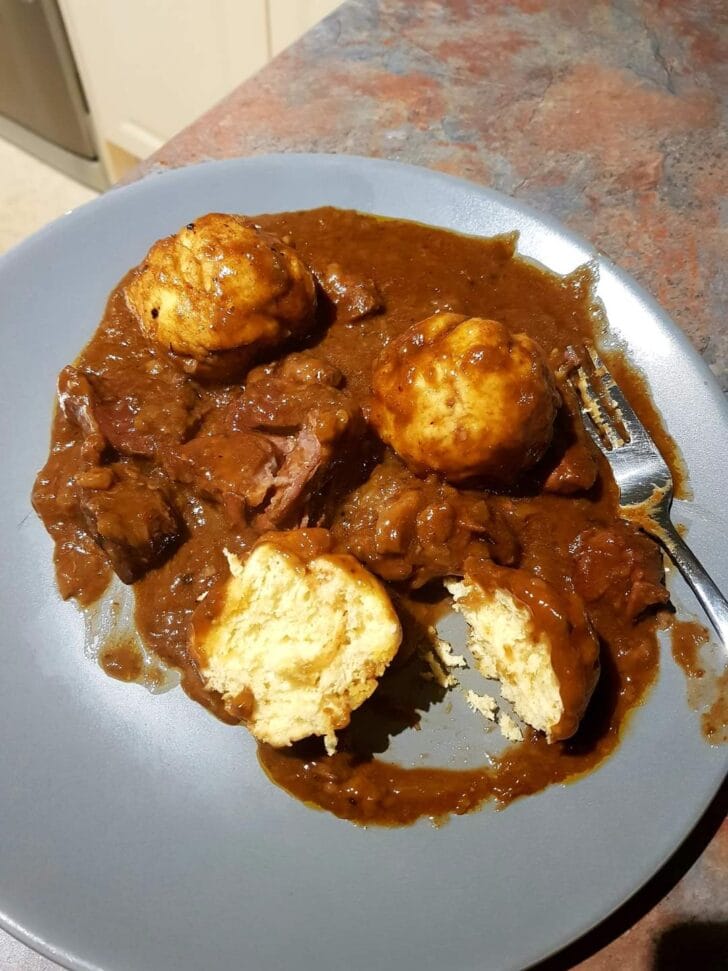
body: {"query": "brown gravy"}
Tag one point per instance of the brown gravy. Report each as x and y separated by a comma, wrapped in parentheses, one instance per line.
(122, 660)
(707, 692)
(418, 270)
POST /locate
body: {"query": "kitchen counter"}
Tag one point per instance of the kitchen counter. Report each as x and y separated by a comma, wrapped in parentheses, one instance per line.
(608, 116)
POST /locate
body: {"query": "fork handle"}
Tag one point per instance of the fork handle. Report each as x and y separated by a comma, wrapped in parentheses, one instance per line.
(711, 599)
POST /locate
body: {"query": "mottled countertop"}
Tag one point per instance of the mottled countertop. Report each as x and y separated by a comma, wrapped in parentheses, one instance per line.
(609, 116)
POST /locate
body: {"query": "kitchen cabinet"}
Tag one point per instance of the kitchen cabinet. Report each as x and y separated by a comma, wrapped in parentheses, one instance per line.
(150, 67)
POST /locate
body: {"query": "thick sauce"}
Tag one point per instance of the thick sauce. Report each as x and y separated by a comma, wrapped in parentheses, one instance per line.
(707, 691)
(122, 659)
(418, 270)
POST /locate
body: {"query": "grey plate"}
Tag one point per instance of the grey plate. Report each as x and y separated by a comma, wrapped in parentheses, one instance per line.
(139, 833)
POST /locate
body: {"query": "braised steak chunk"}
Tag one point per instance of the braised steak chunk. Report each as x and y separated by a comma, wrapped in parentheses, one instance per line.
(353, 297)
(237, 470)
(620, 567)
(570, 463)
(77, 401)
(300, 404)
(130, 519)
(281, 398)
(140, 416)
(148, 416)
(410, 529)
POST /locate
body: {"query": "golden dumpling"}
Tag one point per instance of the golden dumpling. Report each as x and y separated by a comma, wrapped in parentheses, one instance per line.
(295, 640)
(220, 293)
(464, 397)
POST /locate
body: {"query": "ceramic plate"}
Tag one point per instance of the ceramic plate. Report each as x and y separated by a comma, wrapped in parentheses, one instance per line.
(139, 833)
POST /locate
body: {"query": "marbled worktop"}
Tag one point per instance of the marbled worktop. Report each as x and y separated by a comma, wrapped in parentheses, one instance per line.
(610, 116)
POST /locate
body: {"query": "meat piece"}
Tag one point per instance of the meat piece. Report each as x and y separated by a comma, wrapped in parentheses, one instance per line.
(281, 397)
(395, 524)
(282, 407)
(314, 471)
(313, 423)
(237, 470)
(303, 368)
(304, 466)
(354, 297)
(131, 520)
(620, 568)
(405, 528)
(575, 471)
(570, 462)
(147, 413)
(77, 401)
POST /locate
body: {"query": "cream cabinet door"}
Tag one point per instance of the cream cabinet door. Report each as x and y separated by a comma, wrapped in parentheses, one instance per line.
(150, 67)
(291, 18)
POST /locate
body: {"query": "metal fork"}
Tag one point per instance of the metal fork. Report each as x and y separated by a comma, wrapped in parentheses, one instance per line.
(640, 471)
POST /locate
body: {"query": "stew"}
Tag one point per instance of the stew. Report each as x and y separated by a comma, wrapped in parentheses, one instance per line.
(153, 472)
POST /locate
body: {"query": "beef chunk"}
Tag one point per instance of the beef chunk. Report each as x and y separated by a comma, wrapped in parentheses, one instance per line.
(313, 423)
(130, 519)
(282, 407)
(148, 415)
(315, 468)
(77, 401)
(405, 528)
(237, 470)
(619, 567)
(570, 463)
(145, 416)
(281, 398)
(575, 471)
(353, 297)
(304, 467)
(302, 368)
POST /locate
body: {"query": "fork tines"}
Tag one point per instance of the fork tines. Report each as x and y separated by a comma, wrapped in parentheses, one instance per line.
(610, 419)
